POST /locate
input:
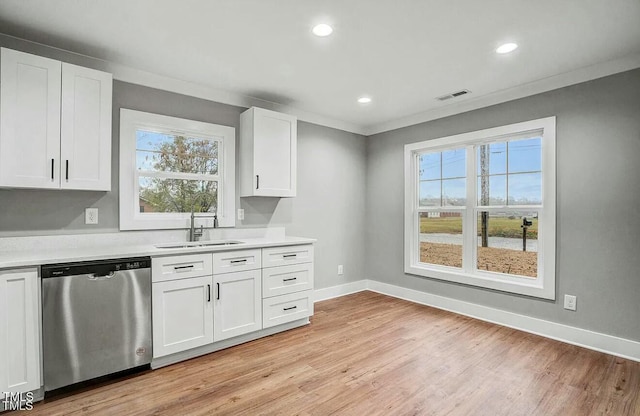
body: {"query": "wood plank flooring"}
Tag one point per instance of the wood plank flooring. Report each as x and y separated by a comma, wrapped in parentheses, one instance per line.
(370, 354)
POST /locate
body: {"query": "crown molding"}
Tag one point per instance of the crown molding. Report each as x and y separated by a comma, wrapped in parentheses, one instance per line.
(136, 76)
(566, 79)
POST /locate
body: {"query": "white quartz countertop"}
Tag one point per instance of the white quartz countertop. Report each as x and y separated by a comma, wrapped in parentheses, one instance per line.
(51, 255)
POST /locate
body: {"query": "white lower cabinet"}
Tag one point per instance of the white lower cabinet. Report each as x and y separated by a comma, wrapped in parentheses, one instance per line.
(204, 298)
(182, 315)
(286, 308)
(182, 303)
(19, 331)
(287, 284)
(237, 307)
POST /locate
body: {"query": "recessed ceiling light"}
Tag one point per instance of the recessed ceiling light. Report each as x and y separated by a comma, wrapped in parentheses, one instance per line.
(506, 48)
(322, 30)
(364, 100)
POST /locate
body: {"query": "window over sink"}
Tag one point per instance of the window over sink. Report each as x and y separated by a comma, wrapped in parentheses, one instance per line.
(169, 166)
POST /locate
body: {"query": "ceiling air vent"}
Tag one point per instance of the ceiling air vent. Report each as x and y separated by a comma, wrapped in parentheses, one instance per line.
(453, 95)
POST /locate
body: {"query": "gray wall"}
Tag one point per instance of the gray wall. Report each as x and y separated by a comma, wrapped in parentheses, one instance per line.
(331, 183)
(38, 212)
(598, 200)
(350, 195)
(330, 204)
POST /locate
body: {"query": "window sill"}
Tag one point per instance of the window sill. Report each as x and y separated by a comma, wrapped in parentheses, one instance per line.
(503, 283)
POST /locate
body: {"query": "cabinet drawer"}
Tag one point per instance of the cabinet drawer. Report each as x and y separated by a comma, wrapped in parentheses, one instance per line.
(180, 267)
(287, 279)
(236, 261)
(282, 256)
(286, 308)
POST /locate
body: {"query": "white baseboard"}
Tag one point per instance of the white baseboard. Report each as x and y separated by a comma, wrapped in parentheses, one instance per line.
(597, 341)
(339, 290)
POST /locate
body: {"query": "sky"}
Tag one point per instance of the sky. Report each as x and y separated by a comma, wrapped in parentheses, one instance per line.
(514, 172)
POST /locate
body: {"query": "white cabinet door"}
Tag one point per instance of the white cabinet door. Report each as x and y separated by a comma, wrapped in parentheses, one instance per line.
(238, 307)
(29, 120)
(268, 153)
(85, 153)
(182, 314)
(19, 331)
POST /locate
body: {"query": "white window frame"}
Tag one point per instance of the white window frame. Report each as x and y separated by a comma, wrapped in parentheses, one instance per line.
(544, 285)
(130, 216)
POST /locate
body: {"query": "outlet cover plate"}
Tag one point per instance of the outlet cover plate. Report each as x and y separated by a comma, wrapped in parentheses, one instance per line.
(570, 302)
(91, 216)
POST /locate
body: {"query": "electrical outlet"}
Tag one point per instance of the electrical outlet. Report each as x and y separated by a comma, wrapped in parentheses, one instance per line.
(570, 302)
(340, 270)
(91, 216)
(240, 214)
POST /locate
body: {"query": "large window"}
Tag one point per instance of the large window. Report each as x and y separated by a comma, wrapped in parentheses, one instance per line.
(171, 166)
(480, 208)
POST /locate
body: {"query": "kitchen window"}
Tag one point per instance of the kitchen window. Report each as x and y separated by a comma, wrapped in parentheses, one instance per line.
(480, 208)
(170, 166)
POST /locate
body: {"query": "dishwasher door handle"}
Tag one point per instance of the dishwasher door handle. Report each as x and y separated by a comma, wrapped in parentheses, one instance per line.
(92, 276)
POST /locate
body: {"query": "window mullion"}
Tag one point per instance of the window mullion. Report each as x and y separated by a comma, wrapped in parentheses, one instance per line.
(468, 227)
(179, 175)
(415, 245)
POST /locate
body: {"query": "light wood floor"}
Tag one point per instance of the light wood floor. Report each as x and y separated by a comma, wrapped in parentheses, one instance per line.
(369, 354)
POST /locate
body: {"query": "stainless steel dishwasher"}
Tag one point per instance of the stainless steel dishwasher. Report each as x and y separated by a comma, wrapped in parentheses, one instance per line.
(96, 319)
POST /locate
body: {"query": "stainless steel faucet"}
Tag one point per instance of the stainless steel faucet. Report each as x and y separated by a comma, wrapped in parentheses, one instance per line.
(194, 233)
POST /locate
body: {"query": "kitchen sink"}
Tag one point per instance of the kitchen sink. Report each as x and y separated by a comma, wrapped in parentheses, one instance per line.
(200, 244)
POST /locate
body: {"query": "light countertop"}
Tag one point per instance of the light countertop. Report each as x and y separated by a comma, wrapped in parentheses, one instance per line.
(51, 255)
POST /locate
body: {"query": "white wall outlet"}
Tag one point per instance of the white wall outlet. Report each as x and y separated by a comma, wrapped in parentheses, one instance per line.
(570, 302)
(91, 216)
(340, 270)
(240, 214)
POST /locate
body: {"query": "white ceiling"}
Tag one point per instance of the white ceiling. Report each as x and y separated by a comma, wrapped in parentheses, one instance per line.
(402, 53)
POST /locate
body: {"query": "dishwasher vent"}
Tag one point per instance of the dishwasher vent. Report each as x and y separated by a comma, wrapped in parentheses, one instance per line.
(453, 95)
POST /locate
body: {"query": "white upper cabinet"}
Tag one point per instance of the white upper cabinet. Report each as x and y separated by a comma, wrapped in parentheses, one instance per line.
(268, 147)
(85, 150)
(55, 124)
(29, 120)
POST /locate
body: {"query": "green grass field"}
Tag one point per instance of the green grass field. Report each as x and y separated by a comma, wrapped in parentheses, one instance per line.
(498, 226)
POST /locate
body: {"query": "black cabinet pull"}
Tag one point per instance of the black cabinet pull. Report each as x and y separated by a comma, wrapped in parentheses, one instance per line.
(238, 261)
(288, 256)
(208, 293)
(66, 169)
(183, 267)
(289, 308)
(53, 161)
(218, 286)
(257, 181)
(289, 279)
